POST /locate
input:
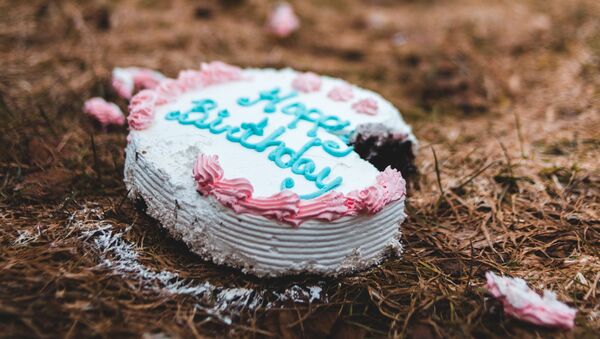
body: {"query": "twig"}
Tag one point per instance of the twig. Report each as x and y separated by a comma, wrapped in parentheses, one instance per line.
(519, 134)
(508, 162)
(437, 171)
(123, 200)
(96, 165)
(48, 122)
(474, 175)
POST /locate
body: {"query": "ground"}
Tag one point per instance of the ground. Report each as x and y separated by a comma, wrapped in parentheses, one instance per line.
(503, 95)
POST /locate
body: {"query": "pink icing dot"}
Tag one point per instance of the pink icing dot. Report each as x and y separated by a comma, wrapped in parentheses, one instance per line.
(341, 93)
(307, 82)
(366, 106)
(106, 113)
(282, 21)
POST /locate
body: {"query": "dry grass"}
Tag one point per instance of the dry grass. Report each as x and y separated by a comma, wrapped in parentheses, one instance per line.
(505, 93)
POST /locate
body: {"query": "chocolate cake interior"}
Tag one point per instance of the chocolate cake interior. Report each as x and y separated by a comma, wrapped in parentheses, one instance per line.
(383, 147)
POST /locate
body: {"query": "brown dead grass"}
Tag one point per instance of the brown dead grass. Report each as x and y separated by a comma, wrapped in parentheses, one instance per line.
(505, 93)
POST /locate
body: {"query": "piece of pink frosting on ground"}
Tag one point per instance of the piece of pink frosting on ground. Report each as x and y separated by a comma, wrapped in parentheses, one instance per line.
(106, 113)
(283, 21)
(522, 303)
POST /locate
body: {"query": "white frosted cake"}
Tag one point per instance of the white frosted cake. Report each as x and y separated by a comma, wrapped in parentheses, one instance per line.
(258, 168)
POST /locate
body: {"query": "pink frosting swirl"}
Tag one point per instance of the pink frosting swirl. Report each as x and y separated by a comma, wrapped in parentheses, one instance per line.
(286, 206)
(206, 173)
(231, 191)
(126, 80)
(147, 78)
(373, 198)
(390, 187)
(341, 93)
(366, 106)
(190, 79)
(167, 91)
(217, 72)
(282, 21)
(327, 208)
(393, 183)
(141, 110)
(237, 193)
(307, 82)
(106, 113)
(280, 206)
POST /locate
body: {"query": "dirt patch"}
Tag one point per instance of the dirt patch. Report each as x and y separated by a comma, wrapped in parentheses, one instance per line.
(503, 97)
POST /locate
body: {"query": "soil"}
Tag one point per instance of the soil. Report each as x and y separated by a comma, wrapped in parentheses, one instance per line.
(504, 97)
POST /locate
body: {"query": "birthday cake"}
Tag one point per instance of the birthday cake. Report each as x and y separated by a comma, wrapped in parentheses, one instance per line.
(269, 170)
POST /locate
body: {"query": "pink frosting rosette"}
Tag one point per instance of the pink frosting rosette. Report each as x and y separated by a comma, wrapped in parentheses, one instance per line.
(366, 106)
(307, 82)
(237, 193)
(141, 110)
(341, 93)
(126, 79)
(217, 72)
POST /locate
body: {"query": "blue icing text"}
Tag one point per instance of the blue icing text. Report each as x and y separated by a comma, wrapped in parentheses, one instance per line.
(251, 135)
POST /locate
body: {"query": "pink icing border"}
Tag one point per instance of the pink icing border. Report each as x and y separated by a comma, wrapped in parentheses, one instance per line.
(142, 105)
(125, 80)
(286, 206)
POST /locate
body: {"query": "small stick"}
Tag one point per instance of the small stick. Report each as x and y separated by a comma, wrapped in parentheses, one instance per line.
(122, 200)
(519, 134)
(47, 120)
(508, 162)
(96, 166)
(437, 171)
(470, 264)
(474, 175)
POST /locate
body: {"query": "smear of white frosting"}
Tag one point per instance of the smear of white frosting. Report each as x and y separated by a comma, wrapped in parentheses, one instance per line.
(223, 303)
